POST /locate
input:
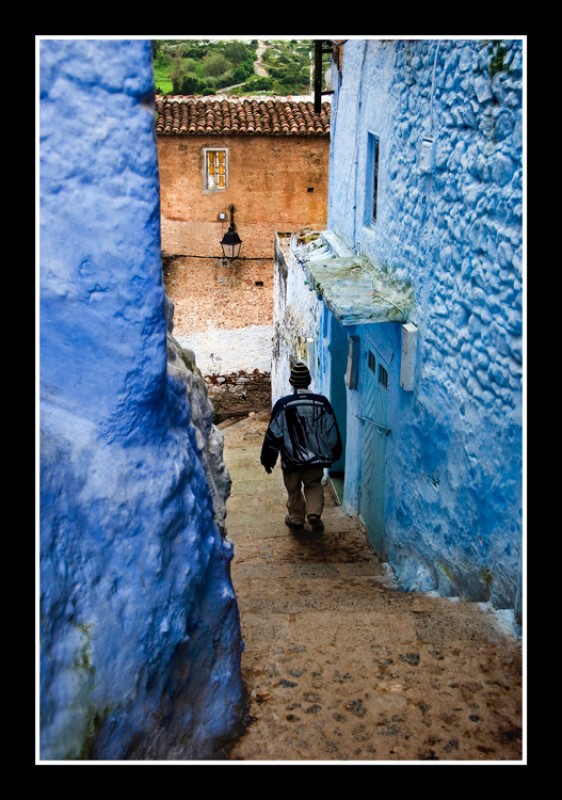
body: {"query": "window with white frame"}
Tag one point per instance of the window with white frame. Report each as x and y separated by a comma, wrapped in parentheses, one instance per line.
(216, 169)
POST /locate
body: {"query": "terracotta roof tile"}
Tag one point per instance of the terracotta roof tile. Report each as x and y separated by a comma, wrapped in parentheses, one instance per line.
(187, 116)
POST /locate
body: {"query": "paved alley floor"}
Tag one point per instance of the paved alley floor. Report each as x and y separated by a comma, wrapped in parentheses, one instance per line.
(339, 666)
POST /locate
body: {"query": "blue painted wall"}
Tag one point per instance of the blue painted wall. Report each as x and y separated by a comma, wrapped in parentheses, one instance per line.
(454, 459)
(139, 639)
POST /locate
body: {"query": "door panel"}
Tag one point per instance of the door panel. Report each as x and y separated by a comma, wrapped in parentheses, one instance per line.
(374, 420)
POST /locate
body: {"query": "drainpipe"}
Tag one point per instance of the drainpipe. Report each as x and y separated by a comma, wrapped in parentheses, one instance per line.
(318, 76)
(318, 50)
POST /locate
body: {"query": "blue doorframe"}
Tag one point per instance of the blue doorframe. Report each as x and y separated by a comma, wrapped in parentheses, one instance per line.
(337, 357)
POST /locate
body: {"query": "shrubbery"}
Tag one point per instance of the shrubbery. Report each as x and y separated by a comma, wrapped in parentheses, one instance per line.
(215, 64)
(204, 66)
(257, 83)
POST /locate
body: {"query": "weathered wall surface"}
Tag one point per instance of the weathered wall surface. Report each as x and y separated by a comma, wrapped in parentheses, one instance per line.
(140, 638)
(297, 319)
(454, 460)
(223, 356)
(275, 183)
(208, 295)
(224, 351)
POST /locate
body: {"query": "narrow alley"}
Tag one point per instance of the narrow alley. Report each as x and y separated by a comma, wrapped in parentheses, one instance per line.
(339, 665)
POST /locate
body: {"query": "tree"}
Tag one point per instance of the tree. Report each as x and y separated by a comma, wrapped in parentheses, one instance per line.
(190, 65)
(236, 52)
(243, 71)
(177, 73)
(215, 64)
(191, 85)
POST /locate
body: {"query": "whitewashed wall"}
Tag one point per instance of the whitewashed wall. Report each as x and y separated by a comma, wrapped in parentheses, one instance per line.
(222, 351)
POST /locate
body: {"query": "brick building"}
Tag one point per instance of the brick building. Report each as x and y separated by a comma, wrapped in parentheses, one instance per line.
(268, 157)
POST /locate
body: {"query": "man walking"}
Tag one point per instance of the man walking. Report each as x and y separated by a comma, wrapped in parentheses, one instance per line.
(303, 428)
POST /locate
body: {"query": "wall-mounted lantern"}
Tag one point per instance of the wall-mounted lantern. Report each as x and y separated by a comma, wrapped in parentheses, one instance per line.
(231, 242)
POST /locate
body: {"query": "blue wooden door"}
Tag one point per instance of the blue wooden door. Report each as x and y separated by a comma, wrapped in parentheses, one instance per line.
(373, 421)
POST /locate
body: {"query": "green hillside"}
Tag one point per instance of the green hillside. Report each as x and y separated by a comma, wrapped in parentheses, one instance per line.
(213, 66)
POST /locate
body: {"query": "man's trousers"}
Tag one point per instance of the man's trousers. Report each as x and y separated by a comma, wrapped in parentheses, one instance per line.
(305, 493)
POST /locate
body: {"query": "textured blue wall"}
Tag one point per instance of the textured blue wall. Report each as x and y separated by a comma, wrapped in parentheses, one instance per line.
(140, 639)
(454, 460)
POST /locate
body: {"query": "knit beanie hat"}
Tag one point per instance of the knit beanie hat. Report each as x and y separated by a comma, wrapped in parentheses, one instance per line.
(300, 376)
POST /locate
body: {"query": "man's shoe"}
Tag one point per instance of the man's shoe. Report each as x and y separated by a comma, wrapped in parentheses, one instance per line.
(316, 523)
(295, 526)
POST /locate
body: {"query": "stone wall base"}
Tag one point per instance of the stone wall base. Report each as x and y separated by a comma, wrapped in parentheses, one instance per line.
(237, 394)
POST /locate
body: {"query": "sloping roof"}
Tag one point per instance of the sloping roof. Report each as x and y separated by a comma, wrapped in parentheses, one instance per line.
(356, 294)
(190, 116)
(356, 290)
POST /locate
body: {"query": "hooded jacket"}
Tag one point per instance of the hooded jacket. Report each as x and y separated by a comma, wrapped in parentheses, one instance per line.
(303, 428)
